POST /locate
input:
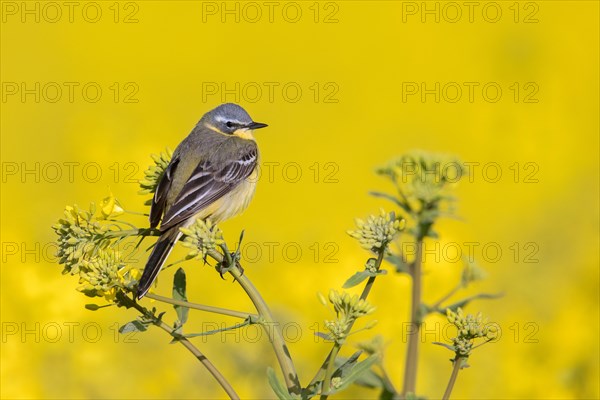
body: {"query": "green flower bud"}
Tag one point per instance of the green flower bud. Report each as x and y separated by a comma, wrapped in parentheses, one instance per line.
(154, 173)
(201, 237)
(104, 274)
(78, 235)
(376, 232)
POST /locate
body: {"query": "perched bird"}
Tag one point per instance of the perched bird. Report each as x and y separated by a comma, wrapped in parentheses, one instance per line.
(212, 174)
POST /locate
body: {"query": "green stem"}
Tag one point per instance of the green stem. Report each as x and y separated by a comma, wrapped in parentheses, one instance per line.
(412, 353)
(205, 361)
(136, 213)
(269, 324)
(446, 297)
(128, 302)
(133, 232)
(329, 371)
(457, 366)
(371, 281)
(363, 296)
(461, 303)
(404, 199)
(201, 307)
(266, 319)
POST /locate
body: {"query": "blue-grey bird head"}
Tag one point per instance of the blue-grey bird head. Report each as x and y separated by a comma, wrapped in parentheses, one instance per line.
(229, 118)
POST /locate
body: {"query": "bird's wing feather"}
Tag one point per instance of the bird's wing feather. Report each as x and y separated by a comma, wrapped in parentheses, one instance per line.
(207, 184)
(160, 195)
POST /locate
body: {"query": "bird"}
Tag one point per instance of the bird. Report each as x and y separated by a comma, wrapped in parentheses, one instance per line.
(212, 174)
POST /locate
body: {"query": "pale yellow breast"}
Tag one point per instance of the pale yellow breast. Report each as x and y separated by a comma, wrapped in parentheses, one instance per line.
(233, 203)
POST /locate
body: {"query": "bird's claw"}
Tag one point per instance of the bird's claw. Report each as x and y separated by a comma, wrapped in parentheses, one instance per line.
(229, 263)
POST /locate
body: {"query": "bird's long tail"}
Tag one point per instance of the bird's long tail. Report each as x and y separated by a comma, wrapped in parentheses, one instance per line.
(157, 258)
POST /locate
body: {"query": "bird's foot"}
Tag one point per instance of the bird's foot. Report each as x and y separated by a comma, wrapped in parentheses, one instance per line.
(229, 263)
(231, 259)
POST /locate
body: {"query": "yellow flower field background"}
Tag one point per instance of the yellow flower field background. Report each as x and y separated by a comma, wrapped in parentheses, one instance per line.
(91, 89)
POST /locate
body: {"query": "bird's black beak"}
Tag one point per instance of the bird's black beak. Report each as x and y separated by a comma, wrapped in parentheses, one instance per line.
(256, 125)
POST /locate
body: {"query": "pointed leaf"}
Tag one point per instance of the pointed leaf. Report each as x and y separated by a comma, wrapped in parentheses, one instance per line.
(241, 238)
(92, 307)
(462, 303)
(370, 379)
(345, 365)
(391, 198)
(451, 348)
(179, 293)
(356, 279)
(133, 326)
(323, 335)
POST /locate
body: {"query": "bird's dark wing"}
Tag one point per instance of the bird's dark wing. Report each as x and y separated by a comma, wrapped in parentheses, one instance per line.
(160, 195)
(207, 184)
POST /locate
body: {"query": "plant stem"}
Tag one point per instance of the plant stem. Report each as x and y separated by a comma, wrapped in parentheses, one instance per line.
(457, 366)
(205, 361)
(201, 307)
(128, 302)
(371, 281)
(133, 232)
(363, 296)
(446, 297)
(265, 318)
(269, 324)
(329, 371)
(412, 353)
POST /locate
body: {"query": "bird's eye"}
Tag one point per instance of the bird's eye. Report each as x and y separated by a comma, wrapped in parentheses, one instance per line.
(229, 124)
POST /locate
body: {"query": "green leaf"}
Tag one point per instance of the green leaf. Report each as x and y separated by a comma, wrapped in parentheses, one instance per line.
(462, 303)
(345, 365)
(393, 199)
(356, 372)
(179, 288)
(92, 307)
(370, 379)
(356, 279)
(323, 335)
(279, 389)
(387, 197)
(241, 238)
(133, 326)
(451, 348)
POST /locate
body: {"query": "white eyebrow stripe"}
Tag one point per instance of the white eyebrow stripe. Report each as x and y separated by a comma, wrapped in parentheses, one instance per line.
(235, 121)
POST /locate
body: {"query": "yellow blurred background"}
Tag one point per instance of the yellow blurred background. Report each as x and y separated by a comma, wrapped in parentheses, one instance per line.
(91, 89)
